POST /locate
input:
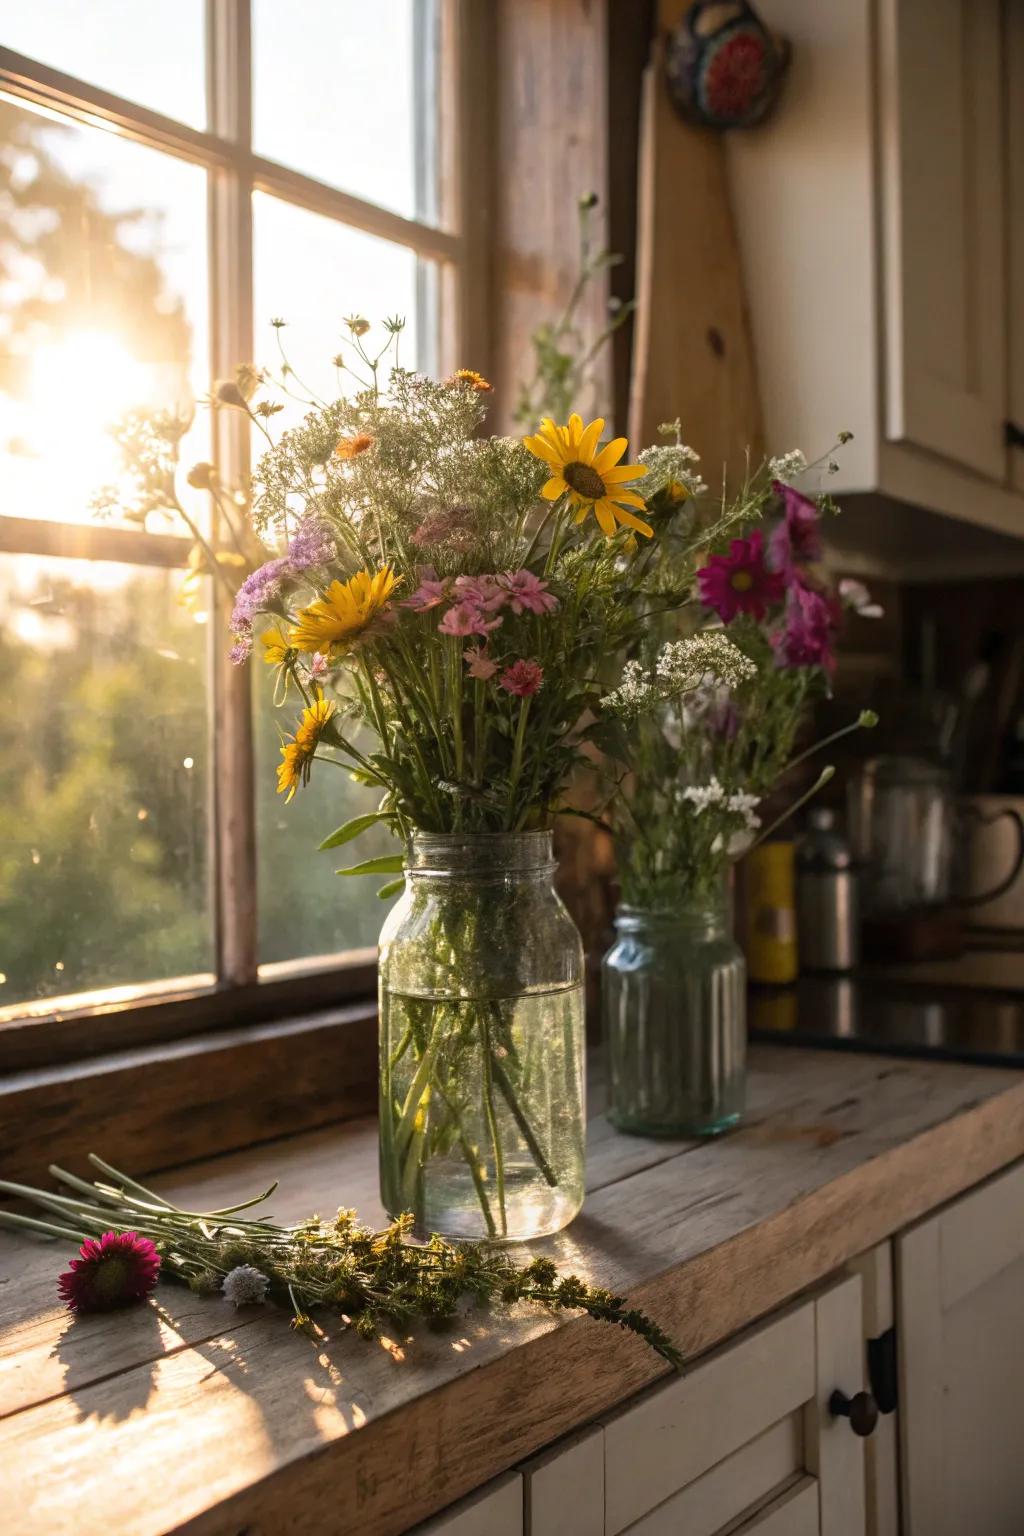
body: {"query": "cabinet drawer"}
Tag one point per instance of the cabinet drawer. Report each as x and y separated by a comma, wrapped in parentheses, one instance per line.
(494, 1510)
(747, 1434)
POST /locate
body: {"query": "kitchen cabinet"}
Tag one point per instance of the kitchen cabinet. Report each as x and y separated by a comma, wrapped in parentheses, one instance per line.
(960, 1330)
(495, 1510)
(880, 214)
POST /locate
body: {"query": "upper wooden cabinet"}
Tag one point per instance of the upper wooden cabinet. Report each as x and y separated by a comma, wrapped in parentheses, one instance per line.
(880, 214)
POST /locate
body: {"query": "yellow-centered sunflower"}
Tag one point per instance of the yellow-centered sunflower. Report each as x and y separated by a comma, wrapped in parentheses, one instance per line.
(592, 479)
(297, 754)
(275, 647)
(344, 611)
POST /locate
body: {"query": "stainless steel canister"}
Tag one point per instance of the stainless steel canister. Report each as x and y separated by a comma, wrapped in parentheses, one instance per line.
(828, 910)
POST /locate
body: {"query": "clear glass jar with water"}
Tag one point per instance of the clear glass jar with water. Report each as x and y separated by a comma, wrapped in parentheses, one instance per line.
(673, 1003)
(482, 1118)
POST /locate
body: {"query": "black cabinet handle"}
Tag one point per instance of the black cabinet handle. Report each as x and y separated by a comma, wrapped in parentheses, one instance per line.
(861, 1410)
(1013, 434)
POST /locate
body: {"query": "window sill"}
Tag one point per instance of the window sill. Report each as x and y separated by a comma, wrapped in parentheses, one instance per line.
(159, 1105)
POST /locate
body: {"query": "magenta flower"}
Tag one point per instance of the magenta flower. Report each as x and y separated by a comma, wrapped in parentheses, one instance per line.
(522, 678)
(318, 666)
(480, 664)
(740, 582)
(430, 591)
(482, 592)
(466, 619)
(808, 633)
(527, 593)
(111, 1271)
(797, 538)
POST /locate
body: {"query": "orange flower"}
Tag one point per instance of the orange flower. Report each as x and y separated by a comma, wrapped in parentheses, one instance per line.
(472, 378)
(352, 447)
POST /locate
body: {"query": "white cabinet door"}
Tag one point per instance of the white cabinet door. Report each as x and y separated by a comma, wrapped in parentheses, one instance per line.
(960, 1327)
(941, 126)
(745, 1440)
(494, 1510)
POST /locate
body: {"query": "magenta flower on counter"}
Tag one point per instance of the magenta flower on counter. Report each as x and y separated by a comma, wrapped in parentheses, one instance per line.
(111, 1271)
(522, 678)
(796, 540)
(740, 582)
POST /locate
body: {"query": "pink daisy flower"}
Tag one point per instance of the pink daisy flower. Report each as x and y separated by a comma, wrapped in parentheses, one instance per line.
(522, 678)
(740, 582)
(527, 593)
(430, 591)
(466, 619)
(111, 1271)
(482, 592)
(797, 538)
(479, 663)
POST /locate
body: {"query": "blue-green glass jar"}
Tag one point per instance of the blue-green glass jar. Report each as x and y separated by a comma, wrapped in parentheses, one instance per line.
(673, 1000)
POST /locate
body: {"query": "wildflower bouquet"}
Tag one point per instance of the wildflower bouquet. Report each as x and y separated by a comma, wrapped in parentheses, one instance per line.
(708, 727)
(442, 616)
(369, 1281)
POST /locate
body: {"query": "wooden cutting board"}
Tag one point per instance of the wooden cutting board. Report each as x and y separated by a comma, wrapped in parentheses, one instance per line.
(693, 355)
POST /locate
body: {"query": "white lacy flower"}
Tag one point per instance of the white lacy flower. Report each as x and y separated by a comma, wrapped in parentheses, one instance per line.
(704, 660)
(854, 594)
(668, 462)
(745, 805)
(788, 465)
(701, 796)
(633, 696)
(245, 1286)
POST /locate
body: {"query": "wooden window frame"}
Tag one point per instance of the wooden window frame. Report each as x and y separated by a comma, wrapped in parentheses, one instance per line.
(243, 992)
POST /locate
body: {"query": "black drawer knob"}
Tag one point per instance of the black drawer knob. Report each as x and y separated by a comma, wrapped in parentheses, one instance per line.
(861, 1410)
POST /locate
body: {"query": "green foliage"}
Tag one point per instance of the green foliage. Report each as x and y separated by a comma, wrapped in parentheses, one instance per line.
(368, 1281)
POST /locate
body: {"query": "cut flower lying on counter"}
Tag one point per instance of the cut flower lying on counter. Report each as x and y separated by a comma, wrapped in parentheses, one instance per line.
(367, 1280)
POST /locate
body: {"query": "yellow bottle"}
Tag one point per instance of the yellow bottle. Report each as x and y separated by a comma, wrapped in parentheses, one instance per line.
(771, 913)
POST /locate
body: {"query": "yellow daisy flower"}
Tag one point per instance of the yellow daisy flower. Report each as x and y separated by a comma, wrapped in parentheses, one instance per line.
(592, 479)
(275, 647)
(343, 612)
(297, 754)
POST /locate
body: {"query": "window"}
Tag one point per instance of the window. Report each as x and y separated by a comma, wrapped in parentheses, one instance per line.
(150, 228)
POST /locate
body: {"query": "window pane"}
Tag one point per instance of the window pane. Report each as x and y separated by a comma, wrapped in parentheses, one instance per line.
(305, 908)
(102, 307)
(338, 272)
(347, 93)
(152, 53)
(105, 765)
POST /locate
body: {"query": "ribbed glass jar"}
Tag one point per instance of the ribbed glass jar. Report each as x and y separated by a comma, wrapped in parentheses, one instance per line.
(482, 1122)
(673, 1001)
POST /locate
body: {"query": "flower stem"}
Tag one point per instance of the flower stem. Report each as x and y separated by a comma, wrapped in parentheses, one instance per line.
(492, 1120)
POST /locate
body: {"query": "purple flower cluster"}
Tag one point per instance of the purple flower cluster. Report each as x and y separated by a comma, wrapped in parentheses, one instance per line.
(257, 592)
(477, 601)
(311, 544)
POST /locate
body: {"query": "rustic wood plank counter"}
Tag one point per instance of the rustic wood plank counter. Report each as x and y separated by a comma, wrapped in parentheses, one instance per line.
(186, 1415)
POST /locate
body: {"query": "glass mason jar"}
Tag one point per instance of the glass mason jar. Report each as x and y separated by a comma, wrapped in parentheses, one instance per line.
(482, 1123)
(673, 1001)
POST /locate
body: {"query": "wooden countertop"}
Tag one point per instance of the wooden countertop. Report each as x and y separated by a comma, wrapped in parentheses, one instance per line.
(185, 1415)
